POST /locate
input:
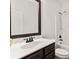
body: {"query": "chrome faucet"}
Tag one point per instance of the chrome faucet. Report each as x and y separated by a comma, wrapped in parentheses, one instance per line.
(30, 39)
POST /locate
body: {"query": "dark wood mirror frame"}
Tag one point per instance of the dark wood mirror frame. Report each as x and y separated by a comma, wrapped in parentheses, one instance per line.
(30, 34)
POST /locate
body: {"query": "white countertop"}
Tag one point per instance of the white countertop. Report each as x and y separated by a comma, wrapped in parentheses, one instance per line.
(18, 51)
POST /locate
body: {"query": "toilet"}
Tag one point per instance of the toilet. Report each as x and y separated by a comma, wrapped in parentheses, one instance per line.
(61, 53)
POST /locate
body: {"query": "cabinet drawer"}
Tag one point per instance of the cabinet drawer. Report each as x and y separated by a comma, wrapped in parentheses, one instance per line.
(49, 48)
(50, 56)
(37, 55)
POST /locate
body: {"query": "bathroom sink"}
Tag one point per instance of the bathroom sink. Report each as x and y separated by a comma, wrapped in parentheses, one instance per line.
(31, 44)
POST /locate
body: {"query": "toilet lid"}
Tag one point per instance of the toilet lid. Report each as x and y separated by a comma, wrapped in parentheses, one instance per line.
(61, 51)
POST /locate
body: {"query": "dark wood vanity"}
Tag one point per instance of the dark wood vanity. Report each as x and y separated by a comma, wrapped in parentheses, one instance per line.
(47, 52)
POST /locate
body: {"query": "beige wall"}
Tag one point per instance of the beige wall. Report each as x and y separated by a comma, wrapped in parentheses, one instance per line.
(65, 21)
(50, 10)
(51, 19)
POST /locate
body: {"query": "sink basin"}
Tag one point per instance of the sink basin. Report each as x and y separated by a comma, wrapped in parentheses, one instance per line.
(31, 44)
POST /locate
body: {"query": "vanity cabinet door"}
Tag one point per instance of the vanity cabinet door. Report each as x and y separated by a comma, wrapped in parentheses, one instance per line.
(37, 55)
(50, 56)
(49, 49)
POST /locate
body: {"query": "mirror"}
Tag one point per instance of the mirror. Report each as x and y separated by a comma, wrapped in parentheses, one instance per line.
(25, 18)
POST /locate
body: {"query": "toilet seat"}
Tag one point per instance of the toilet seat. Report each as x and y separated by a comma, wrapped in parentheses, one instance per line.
(62, 53)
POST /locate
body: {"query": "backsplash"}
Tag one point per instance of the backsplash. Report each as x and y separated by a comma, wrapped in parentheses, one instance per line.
(20, 40)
